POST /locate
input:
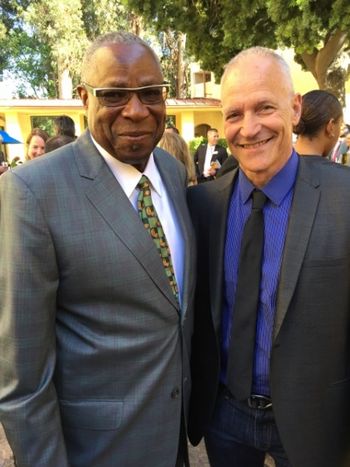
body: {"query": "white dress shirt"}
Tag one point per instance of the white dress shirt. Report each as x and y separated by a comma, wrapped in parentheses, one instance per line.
(128, 177)
(207, 162)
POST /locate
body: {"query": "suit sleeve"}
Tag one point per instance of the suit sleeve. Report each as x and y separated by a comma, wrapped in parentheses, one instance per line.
(195, 159)
(223, 155)
(28, 285)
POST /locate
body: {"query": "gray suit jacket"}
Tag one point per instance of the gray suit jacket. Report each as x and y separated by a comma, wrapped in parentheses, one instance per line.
(309, 368)
(94, 351)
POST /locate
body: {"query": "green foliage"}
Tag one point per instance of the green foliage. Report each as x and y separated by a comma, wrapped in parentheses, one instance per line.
(222, 142)
(195, 143)
(101, 16)
(41, 38)
(46, 123)
(218, 29)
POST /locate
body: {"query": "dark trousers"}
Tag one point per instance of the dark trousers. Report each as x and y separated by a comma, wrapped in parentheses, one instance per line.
(182, 453)
(240, 436)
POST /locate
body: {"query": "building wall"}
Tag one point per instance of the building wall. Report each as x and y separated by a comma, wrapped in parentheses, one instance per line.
(213, 119)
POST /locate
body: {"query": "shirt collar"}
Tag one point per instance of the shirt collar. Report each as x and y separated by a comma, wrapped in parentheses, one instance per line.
(127, 175)
(278, 187)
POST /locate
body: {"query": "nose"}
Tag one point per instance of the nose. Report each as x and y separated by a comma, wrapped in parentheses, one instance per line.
(135, 109)
(250, 125)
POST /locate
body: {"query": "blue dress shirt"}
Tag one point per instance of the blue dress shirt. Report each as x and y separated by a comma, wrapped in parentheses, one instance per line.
(279, 192)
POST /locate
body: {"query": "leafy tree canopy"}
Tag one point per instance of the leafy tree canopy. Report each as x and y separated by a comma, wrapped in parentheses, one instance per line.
(42, 40)
(318, 30)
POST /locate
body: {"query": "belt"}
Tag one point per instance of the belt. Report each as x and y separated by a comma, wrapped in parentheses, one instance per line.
(255, 401)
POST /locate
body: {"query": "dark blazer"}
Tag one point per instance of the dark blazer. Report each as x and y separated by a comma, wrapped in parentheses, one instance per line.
(94, 355)
(310, 361)
(219, 154)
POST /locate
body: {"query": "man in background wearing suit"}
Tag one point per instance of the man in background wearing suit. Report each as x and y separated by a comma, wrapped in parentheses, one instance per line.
(95, 325)
(276, 377)
(209, 157)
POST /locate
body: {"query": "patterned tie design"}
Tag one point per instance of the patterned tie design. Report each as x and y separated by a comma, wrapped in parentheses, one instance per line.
(151, 222)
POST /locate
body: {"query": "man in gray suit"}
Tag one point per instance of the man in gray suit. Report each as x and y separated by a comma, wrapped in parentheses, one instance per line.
(94, 338)
(294, 401)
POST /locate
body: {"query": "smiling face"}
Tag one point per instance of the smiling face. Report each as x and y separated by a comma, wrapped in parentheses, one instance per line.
(213, 137)
(259, 110)
(129, 132)
(36, 147)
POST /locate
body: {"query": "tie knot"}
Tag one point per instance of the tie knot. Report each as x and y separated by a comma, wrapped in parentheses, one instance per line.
(143, 183)
(259, 200)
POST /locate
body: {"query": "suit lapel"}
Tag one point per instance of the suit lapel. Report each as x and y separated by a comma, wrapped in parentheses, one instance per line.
(201, 158)
(109, 199)
(217, 238)
(302, 215)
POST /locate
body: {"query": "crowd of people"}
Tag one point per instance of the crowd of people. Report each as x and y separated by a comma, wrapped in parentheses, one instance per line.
(148, 296)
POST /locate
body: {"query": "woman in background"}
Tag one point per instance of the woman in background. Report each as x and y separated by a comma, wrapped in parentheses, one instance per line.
(175, 145)
(64, 125)
(319, 127)
(36, 142)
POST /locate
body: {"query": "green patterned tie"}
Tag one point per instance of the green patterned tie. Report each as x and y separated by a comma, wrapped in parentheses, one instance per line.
(149, 217)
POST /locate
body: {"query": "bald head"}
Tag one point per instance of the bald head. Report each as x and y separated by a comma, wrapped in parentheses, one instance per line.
(255, 55)
(260, 109)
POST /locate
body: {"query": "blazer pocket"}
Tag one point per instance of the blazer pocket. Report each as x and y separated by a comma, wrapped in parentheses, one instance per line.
(92, 414)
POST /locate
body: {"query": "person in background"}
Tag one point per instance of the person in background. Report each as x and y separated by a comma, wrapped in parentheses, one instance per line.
(64, 125)
(271, 347)
(175, 145)
(97, 281)
(319, 126)
(171, 129)
(342, 148)
(209, 157)
(35, 142)
(58, 141)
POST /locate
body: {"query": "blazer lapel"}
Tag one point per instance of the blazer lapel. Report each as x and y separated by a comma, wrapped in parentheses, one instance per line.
(217, 234)
(303, 211)
(201, 157)
(109, 199)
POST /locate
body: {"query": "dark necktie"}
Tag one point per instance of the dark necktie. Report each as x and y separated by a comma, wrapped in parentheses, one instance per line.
(242, 342)
(151, 222)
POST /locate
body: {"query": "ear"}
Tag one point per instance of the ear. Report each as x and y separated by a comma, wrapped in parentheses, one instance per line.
(296, 105)
(84, 95)
(330, 131)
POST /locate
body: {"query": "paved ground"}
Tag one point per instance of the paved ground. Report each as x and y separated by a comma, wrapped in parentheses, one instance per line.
(6, 459)
(198, 456)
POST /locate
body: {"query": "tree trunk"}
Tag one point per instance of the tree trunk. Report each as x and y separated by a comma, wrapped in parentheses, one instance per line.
(180, 82)
(65, 85)
(319, 61)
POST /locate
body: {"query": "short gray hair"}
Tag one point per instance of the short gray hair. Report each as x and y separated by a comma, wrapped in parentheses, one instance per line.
(259, 52)
(116, 37)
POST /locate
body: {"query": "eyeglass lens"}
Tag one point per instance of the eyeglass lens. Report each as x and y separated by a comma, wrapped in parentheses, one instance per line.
(116, 97)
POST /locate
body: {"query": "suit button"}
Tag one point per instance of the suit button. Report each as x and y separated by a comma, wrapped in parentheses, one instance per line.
(175, 393)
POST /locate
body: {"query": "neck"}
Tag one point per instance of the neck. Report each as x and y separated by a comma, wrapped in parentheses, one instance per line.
(309, 147)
